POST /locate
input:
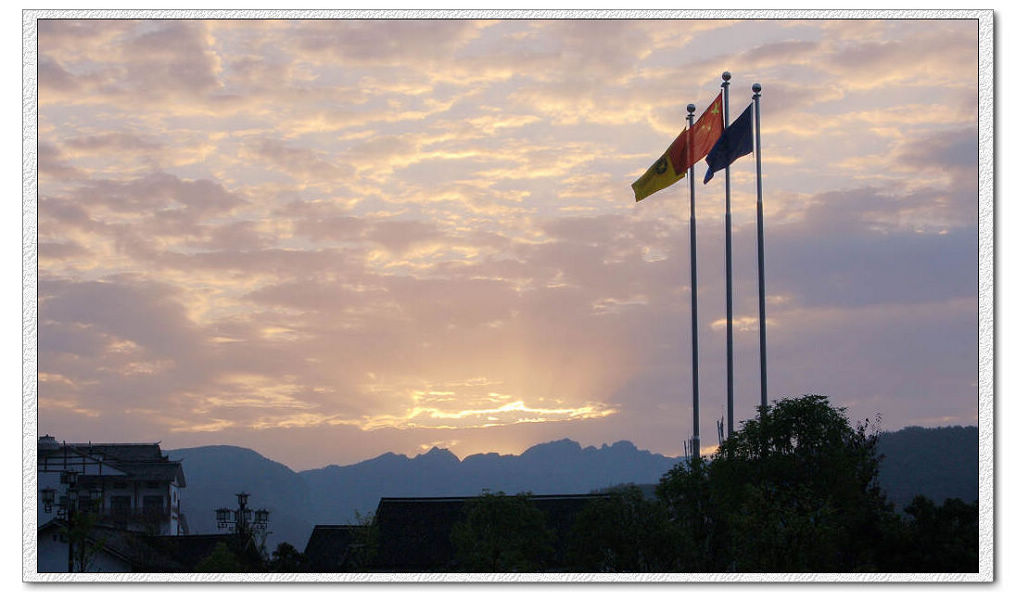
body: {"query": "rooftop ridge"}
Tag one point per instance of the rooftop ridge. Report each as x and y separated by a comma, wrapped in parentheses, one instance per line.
(112, 444)
(468, 497)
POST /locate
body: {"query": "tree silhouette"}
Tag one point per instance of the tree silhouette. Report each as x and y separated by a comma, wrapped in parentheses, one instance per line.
(502, 533)
(285, 558)
(221, 559)
(794, 490)
(940, 538)
(624, 532)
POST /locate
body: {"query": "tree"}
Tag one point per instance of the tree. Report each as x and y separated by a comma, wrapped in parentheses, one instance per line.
(83, 541)
(364, 546)
(285, 558)
(221, 559)
(794, 490)
(940, 538)
(502, 533)
(696, 528)
(624, 532)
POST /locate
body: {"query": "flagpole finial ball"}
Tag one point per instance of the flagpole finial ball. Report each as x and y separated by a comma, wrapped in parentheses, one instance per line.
(756, 87)
(691, 108)
(726, 76)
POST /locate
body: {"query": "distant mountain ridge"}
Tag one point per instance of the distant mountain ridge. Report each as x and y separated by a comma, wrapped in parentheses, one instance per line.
(557, 467)
(336, 494)
(937, 462)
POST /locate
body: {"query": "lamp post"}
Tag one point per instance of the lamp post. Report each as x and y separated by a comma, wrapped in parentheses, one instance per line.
(240, 520)
(67, 508)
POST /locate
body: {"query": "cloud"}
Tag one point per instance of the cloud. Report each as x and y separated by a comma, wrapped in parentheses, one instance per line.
(54, 78)
(53, 163)
(954, 150)
(383, 42)
(298, 163)
(837, 255)
(176, 203)
(112, 141)
(931, 55)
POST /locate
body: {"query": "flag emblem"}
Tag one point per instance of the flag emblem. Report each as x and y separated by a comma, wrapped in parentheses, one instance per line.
(662, 173)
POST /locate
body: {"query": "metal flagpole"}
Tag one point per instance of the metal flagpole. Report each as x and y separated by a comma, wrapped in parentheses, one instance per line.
(730, 301)
(694, 293)
(757, 89)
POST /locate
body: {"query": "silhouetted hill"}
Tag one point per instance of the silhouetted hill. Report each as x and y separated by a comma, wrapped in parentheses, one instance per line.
(216, 473)
(937, 462)
(558, 467)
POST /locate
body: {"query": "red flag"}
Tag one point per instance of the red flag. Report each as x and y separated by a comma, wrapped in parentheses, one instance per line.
(677, 152)
(700, 139)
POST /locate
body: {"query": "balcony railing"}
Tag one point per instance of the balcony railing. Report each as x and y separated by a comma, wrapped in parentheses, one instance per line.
(145, 515)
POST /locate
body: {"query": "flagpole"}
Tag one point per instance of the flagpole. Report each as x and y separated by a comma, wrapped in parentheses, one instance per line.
(757, 89)
(694, 292)
(730, 301)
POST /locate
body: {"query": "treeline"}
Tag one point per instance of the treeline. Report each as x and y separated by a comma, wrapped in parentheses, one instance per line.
(794, 490)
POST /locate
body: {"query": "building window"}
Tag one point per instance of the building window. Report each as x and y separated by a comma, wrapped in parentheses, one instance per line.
(120, 505)
(152, 504)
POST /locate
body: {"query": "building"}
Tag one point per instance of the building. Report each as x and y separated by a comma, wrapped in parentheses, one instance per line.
(98, 503)
(114, 550)
(413, 534)
(332, 548)
(131, 486)
(100, 549)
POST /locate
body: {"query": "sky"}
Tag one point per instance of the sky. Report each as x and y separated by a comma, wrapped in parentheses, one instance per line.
(325, 240)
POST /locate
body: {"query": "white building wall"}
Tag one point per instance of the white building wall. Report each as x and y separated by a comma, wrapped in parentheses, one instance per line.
(53, 557)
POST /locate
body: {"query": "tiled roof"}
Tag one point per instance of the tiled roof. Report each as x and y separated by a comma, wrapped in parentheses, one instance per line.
(162, 471)
(328, 547)
(142, 451)
(191, 549)
(142, 461)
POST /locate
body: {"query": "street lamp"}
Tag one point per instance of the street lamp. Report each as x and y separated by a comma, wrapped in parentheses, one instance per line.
(222, 517)
(239, 520)
(48, 497)
(66, 508)
(261, 518)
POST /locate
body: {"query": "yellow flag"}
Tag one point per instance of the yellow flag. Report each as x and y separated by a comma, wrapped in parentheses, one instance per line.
(656, 178)
(662, 173)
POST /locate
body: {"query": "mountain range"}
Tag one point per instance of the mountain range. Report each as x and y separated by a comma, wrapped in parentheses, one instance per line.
(939, 462)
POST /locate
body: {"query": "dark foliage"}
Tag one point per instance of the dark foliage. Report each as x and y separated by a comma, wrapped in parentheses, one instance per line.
(221, 559)
(285, 558)
(624, 532)
(686, 498)
(796, 490)
(502, 533)
(363, 549)
(939, 538)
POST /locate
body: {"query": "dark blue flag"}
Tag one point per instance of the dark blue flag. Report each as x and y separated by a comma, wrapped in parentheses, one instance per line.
(732, 145)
